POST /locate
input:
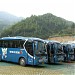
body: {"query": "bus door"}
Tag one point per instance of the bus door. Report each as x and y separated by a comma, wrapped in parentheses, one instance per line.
(49, 52)
(69, 48)
(67, 53)
(52, 53)
(30, 54)
(55, 48)
(74, 54)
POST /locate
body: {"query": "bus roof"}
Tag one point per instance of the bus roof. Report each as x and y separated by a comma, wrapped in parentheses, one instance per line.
(20, 38)
(51, 41)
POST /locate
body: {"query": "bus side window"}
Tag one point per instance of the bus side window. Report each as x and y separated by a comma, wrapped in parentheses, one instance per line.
(13, 44)
(0, 43)
(6, 44)
(10, 44)
(17, 44)
(21, 44)
(29, 47)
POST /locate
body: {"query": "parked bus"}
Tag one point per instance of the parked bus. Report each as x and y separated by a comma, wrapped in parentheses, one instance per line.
(23, 50)
(69, 50)
(54, 51)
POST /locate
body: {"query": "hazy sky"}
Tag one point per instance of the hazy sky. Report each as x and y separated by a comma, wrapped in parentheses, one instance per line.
(26, 8)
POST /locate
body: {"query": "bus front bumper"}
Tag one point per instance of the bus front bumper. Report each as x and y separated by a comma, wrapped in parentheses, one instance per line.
(43, 60)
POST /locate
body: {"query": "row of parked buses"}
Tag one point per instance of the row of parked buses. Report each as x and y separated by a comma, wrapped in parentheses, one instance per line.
(35, 51)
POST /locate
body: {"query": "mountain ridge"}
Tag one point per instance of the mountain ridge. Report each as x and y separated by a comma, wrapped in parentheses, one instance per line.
(42, 26)
(7, 19)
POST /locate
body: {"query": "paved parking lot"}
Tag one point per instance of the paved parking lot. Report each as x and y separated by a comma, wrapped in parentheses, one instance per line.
(47, 69)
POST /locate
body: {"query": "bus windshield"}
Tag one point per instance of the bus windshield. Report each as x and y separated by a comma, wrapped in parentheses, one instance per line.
(35, 48)
(59, 48)
(40, 48)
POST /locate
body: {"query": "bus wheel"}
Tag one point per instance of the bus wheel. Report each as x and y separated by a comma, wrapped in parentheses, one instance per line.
(22, 62)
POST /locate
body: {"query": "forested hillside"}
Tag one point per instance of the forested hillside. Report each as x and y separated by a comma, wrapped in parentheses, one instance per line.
(7, 19)
(42, 26)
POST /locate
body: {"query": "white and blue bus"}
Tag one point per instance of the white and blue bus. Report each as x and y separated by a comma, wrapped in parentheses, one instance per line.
(54, 51)
(23, 50)
(69, 50)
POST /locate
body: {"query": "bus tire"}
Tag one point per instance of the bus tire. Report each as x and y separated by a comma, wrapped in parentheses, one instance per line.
(22, 62)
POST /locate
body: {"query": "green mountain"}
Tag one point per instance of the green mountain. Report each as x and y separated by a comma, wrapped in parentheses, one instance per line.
(7, 20)
(42, 26)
